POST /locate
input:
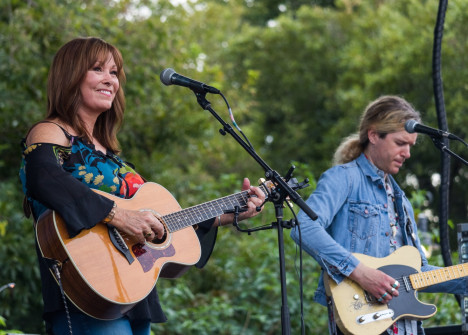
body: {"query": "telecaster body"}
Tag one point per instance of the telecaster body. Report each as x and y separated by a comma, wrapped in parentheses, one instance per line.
(356, 312)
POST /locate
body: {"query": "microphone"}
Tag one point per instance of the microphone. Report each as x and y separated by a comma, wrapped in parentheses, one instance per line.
(412, 126)
(170, 77)
(9, 285)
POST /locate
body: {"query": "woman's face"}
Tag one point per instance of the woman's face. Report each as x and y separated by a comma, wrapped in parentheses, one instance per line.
(99, 87)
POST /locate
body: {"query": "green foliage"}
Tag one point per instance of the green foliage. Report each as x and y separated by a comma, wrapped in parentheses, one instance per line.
(19, 264)
(259, 12)
(297, 78)
(6, 332)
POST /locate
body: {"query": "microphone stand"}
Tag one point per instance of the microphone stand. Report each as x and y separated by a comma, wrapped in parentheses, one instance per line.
(443, 147)
(285, 188)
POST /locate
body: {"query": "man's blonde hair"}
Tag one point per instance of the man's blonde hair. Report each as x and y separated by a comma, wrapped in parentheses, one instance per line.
(385, 115)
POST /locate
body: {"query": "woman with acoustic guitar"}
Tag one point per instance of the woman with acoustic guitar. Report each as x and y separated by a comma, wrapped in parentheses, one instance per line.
(72, 153)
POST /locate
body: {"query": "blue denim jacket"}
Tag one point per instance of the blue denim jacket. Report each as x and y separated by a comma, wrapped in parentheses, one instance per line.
(351, 203)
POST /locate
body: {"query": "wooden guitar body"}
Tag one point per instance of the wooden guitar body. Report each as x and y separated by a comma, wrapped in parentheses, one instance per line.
(96, 276)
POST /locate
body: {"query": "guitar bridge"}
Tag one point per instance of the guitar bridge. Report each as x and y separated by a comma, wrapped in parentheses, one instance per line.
(119, 243)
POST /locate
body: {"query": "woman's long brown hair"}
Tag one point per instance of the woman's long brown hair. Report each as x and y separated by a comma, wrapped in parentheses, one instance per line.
(66, 74)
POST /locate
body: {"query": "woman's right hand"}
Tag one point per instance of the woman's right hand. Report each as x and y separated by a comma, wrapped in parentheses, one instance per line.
(142, 225)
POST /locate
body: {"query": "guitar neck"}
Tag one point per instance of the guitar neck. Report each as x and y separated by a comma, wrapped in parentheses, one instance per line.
(425, 279)
(208, 210)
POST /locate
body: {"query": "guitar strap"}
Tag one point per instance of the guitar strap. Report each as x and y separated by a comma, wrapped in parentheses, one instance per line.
(53, 264)
(55, 267)
(409, 227)
(408, 224)
(332, 328)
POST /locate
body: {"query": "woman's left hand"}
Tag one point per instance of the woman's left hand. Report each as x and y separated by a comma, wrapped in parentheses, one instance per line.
(256, 199)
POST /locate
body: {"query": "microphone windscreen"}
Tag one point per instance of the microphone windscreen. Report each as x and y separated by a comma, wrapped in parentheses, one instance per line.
(410, 125)
(166, 75)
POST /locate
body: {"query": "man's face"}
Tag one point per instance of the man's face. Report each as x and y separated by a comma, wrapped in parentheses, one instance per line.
(389, 153)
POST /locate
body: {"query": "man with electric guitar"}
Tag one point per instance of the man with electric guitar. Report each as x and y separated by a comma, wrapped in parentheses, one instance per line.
(104, 234)
(365, 238)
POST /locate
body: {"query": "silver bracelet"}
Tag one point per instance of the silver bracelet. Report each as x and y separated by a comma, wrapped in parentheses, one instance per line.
(219, 220)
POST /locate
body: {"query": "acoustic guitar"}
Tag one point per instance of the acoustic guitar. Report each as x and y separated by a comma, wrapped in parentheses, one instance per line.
(358, 313)
(105, 272)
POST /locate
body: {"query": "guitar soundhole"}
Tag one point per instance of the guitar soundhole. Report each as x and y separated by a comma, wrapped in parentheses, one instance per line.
(162, 239)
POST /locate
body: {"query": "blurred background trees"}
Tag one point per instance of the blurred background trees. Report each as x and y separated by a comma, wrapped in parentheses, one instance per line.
(297, 75)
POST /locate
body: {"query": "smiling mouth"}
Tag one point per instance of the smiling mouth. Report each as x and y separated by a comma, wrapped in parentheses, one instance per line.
(105, 92)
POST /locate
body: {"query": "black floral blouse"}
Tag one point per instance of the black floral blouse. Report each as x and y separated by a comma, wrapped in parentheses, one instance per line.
(61, 178)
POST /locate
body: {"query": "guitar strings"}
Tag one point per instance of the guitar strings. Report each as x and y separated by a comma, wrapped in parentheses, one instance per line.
(181, 219)
(184, 218)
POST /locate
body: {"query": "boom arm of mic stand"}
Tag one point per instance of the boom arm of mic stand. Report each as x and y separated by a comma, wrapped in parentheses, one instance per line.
(442, 147)
(269, 173)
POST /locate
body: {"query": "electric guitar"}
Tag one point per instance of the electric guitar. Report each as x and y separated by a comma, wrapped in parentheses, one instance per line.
(105, 272)
(356, 312)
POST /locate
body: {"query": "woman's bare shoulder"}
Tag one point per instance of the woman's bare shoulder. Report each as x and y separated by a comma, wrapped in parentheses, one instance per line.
(47, 132)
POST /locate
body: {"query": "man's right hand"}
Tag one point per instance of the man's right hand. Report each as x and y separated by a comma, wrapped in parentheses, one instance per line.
(375, 282)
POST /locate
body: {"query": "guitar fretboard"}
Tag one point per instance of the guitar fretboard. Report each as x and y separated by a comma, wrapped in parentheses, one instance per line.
(208, 210)
(429, 278)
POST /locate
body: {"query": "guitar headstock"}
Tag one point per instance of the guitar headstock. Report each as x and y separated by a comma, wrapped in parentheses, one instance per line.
(267, 186)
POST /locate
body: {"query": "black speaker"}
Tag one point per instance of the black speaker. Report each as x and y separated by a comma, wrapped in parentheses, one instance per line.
(462, 238)
(446, 330)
